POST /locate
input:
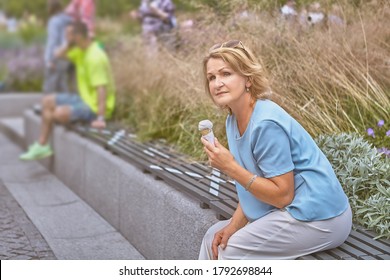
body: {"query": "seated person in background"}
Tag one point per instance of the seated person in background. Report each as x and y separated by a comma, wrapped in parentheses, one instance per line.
(95, 100)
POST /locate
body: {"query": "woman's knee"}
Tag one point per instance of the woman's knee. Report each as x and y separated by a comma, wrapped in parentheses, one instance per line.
(342, 228)
(226, 254)
(209, 236)
(235, 248)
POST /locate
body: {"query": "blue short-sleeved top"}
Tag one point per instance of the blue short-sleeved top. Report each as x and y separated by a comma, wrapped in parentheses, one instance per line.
(273, 144)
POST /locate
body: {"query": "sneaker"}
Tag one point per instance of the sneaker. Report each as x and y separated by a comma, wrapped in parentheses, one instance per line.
(37, 151)
(32, 146)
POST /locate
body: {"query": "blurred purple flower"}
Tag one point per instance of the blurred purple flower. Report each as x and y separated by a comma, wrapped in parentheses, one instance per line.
(388, 133)
(384, 151)
(370, 132)
(24, 64)
(381, 123)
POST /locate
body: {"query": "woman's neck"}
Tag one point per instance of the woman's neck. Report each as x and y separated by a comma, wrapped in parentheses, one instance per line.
(243, 113)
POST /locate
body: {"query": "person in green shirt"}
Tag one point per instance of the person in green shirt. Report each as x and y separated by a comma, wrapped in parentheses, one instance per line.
(95, 100)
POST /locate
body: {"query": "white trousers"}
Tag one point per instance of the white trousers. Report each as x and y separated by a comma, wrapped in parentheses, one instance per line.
(279, 236)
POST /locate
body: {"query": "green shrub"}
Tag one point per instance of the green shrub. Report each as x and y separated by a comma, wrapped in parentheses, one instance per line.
(10, 41)
(31, 33)
(364, 175)
(17, 8)
(118, 7)
(22, 68)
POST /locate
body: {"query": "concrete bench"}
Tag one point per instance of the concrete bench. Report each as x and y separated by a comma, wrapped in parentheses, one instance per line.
(213, 189)
(157, 219)
(147, 212)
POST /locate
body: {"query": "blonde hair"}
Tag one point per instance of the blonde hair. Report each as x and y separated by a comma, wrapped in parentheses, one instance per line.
(242, 61)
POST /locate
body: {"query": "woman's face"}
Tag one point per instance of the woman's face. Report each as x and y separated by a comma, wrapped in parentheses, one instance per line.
(226, 86)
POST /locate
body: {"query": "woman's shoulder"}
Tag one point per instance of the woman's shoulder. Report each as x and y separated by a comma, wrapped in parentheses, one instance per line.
(269, 117)
(267, 110)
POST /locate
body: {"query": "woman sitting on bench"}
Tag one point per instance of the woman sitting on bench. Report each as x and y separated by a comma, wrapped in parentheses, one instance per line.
(290, 201)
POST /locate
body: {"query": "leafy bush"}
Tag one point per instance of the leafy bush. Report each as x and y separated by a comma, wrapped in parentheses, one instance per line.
(21, 58)
(38, 7)
(118, 7)
(17, 8)
(9, 41)
(31, 31)
(24, 68)
(364, 175)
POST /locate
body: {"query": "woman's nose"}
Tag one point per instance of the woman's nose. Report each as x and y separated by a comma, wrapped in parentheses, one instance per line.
(218, 82)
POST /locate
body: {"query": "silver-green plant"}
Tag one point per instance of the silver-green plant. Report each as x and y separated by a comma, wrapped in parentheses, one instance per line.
(365, 177)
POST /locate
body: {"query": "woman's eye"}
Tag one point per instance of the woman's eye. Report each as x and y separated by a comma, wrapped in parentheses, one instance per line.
(226, 74)
(211, 78)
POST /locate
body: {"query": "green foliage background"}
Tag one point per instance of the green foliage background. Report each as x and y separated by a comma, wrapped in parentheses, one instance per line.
(38, 7)
(119, 7)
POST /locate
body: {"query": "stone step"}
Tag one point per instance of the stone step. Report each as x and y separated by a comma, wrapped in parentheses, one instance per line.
(13, 127)
(72, 228)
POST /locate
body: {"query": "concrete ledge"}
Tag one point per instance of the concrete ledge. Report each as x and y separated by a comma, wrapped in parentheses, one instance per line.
(161, 222)
(14, 104)
(14, 129)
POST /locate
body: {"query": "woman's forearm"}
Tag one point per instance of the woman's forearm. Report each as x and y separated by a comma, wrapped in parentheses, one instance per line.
(278, 191)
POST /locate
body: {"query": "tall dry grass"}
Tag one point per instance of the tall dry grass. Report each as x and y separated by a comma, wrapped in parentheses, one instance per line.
(329, 79)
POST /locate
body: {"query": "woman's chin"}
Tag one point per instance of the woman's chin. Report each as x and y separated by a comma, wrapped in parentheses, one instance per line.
(221, 103)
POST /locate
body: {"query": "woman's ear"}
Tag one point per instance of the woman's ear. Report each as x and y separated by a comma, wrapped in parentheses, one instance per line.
(248, 83)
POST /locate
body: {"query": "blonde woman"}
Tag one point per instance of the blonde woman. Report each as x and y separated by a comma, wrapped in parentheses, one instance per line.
(290, 201)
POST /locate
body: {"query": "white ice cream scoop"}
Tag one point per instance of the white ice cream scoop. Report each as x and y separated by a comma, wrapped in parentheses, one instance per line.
(206, 129)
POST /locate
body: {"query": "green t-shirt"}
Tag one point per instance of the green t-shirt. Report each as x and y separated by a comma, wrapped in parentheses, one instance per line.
(93, 70)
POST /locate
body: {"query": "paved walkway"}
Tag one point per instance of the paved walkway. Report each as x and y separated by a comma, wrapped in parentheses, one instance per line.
(19, 238)
(51, 221)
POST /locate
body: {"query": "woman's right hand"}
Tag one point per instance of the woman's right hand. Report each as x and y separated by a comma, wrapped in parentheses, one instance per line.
(221, 239)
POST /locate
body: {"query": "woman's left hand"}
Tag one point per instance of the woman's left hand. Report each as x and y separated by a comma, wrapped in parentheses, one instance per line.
(219, 156)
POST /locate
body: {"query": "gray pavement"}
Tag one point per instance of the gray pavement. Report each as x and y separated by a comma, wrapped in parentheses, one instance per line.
(19, 238)
(65, 223)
